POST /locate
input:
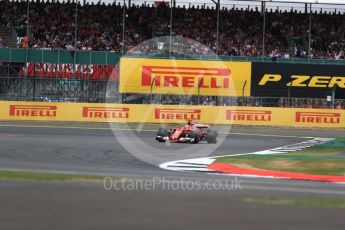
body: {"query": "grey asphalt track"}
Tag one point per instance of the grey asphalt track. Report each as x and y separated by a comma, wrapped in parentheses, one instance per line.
(98, 151)
(92, 149)
(67, 205)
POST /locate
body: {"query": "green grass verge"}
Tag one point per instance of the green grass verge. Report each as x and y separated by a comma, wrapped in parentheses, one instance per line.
(16, 175)
(328, 159)
(314, 202)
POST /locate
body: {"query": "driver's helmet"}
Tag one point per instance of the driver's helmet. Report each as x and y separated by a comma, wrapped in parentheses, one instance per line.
(190, 122)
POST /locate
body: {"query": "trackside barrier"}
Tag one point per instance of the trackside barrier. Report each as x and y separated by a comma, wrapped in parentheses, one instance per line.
(46, 111)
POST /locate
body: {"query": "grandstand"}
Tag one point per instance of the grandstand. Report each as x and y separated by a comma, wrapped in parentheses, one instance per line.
(240, 32)
(244, 29)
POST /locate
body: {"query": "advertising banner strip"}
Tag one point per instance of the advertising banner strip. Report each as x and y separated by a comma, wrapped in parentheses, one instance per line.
(297, 80)
(69, 71)
(131, 113)
(193, 77)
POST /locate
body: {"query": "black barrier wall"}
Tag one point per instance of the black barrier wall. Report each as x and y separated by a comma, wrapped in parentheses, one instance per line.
(297, 80)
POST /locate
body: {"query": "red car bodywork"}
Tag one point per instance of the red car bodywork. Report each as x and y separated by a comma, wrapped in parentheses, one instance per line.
(192, 132)
(180, 132)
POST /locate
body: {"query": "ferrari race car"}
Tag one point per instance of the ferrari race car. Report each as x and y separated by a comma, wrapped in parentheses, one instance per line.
(192, 132)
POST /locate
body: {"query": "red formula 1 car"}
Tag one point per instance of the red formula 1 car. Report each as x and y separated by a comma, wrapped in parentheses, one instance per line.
(192, 132)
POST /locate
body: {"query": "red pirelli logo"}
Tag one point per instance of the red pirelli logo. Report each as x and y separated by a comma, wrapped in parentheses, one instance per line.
(105, 112)
(178, 114)
(318, 117)
(186, 77)
(33, 110)
(249, 115)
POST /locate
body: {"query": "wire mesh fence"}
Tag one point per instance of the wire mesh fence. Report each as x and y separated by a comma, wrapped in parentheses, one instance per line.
(17, 87)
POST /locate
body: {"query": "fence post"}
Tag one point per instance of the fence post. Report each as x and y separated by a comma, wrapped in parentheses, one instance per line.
(263, 11)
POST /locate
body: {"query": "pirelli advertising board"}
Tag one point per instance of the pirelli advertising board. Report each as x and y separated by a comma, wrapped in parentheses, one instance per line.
(184, 77)
(297, 80)
(224, 78)
(171, 114)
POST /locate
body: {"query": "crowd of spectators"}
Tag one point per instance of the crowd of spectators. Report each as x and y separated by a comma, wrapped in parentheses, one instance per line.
(309, 103)
(52, 25)
(316, 103)
(2, 42)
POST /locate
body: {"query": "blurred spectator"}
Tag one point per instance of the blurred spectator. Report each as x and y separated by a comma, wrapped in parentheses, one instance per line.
(2, 42)
(25, 42)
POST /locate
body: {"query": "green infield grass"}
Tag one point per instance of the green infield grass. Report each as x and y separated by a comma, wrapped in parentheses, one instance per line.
(19, 175)
(307, 202)
(325, 159)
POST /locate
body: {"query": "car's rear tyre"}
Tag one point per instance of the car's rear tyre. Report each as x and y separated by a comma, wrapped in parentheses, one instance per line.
(211, 136)
(161, 134)
(195, 135)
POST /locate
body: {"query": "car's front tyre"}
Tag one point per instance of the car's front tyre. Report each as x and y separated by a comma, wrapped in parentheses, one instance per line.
(211, 136)
(162, 134)
(195, 136)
